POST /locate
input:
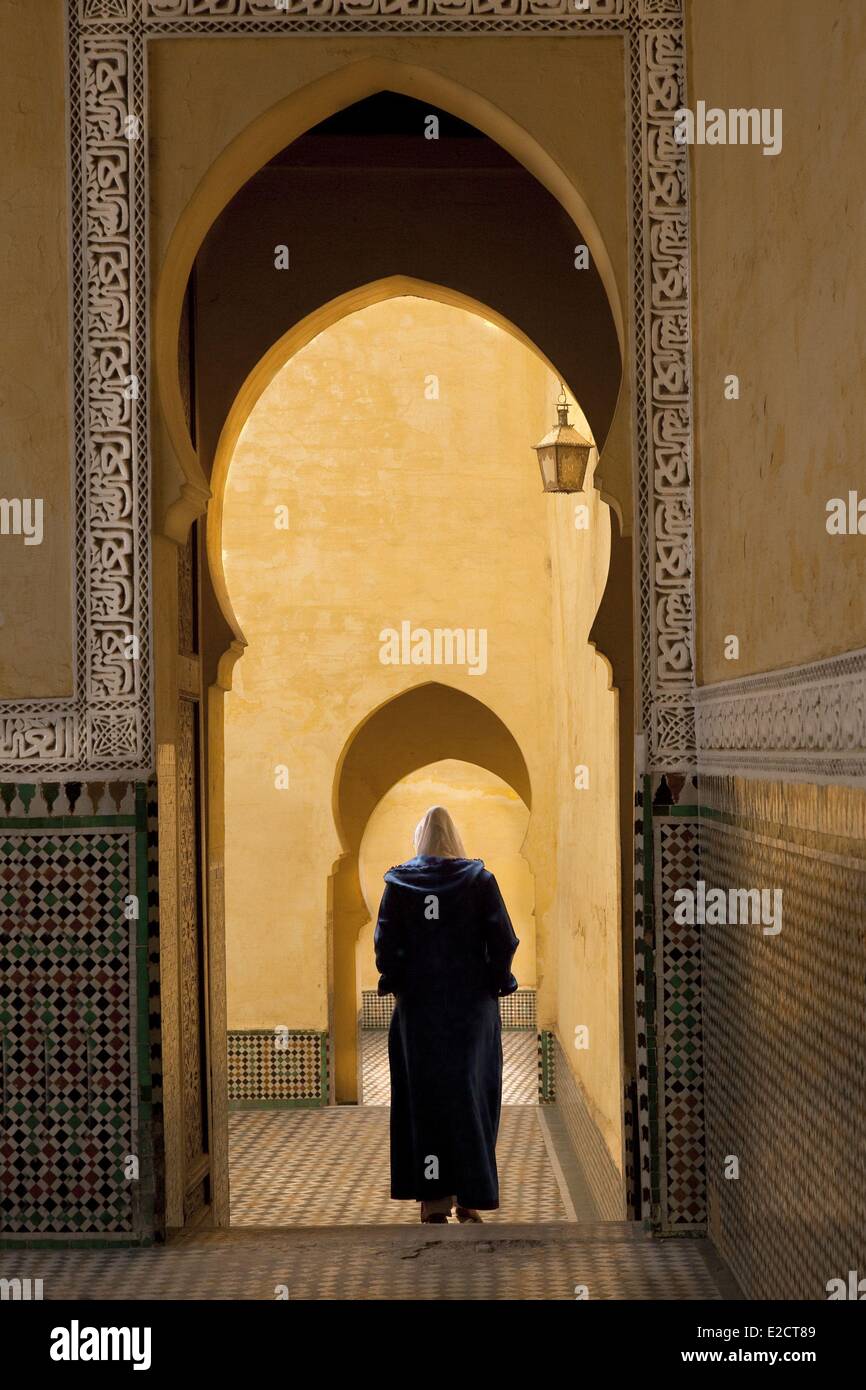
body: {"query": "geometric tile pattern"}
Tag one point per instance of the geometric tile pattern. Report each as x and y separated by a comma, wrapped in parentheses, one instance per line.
(785, 1040)
(375, 1075)
(604, 1183)
(156, 1137)
(632, 1150)
(515, 1010)
(546, 1053)
(67, 1029)
(646, 1090)
(519, 1069)
(376, 1009)
(541, 1262)
(680, 1048)
(277, 1065)
(330, 1166)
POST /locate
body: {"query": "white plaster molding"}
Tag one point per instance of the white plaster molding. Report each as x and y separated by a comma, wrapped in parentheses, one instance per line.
(802, 723)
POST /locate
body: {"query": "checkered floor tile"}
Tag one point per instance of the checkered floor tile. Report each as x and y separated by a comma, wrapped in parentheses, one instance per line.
(540, 1262)
(330, 1167)
(519, 1067)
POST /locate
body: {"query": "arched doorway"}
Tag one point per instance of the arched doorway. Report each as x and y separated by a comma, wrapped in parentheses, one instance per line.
(345, 437)
(282, 127)
(221, 641)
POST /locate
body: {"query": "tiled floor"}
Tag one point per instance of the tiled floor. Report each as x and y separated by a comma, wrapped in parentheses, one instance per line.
(312, 1218)
(519, 1067)
(330, 1167)
(610, 1261)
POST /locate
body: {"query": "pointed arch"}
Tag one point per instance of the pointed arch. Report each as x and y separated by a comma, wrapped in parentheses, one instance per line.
(423, 724)
(260, 142)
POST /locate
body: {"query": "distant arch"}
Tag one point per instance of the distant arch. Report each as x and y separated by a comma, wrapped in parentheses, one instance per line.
(418, 726)
(421, 725)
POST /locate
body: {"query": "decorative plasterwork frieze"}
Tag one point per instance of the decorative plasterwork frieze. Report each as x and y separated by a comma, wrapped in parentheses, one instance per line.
(663, 410)
(105, 728)
(418, 10)
(805, 722)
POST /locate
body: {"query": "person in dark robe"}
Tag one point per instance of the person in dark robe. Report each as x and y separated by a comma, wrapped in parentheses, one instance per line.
(444, 945)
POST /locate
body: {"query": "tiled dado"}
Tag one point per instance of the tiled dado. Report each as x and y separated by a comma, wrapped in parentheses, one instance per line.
(784, 1023)
(680, 1094)
(376, 1009)
(669, 1182)
(515, 1010)
(272, 1068)
(76, 1157)
(546, 1067)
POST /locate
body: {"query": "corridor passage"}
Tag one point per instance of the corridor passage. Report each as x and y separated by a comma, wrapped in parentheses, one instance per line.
(330, 1167)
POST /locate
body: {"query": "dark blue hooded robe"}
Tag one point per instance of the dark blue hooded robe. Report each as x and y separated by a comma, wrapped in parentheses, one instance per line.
(444, 945)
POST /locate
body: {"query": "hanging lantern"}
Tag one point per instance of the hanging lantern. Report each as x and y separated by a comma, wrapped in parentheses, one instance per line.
(563, 454)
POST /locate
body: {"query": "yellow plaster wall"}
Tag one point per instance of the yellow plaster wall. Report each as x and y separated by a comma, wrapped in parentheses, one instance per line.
(780, 284)
(35, 594)
(586, 904)
(492, 821)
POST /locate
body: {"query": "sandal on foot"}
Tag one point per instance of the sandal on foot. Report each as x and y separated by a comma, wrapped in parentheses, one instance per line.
(465, 1214)
(437, 1219)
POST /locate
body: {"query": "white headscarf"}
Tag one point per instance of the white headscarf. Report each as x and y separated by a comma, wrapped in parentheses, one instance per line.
(436, 834)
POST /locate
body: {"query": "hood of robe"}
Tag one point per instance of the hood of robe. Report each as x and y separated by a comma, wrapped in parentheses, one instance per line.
(427, 873)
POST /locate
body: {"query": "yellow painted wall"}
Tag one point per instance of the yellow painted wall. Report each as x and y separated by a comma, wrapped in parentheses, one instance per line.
(492, 821)
(35, 602)
(780, 282)
(586, 902)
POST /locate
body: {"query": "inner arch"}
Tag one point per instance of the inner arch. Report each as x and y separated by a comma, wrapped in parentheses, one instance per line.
(278, 356)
